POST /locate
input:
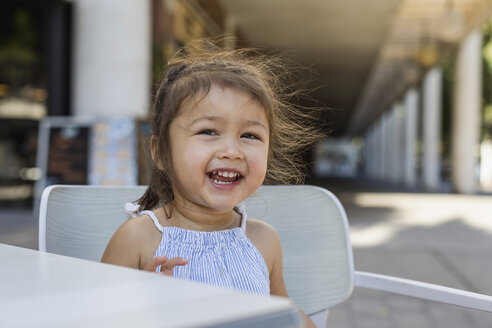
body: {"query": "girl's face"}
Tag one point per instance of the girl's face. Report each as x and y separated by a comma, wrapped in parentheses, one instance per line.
(219, 149)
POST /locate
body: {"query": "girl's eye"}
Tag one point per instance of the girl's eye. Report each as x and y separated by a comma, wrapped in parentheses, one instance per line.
(251, 136)
(209, 132)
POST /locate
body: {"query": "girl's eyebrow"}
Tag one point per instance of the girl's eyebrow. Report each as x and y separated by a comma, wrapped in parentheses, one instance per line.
(214, 118)
(256, 122)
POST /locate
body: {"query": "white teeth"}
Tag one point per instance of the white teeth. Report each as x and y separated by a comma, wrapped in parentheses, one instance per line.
(226, 174)
(221, 182)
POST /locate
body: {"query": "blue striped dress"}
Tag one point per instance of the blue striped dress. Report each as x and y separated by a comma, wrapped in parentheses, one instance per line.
(224, 258)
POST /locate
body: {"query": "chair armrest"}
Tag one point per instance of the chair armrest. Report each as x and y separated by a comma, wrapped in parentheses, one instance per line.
(423, 290)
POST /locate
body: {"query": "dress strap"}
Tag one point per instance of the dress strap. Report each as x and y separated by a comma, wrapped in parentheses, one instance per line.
(240, 208)
(154, 218)
(133, 209)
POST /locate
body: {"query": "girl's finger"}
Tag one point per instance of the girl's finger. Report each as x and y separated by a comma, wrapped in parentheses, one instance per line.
(169, 265)
(155, 262)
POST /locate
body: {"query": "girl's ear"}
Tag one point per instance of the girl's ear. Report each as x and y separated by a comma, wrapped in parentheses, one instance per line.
(154, 145)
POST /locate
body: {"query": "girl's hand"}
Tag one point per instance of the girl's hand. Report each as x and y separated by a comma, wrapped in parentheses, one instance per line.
(167, 265)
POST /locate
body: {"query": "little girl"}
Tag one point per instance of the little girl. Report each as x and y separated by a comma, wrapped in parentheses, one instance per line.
(221, 127)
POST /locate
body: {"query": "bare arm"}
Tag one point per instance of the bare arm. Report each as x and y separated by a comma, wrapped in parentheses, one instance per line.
(132, 246)
(266, 239)
(123, 248)
(277, 285)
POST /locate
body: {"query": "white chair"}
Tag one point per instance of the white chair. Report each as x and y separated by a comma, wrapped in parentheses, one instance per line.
(319, 272)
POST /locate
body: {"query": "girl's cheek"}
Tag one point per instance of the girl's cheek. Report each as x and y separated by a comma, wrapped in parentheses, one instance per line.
(260, 161)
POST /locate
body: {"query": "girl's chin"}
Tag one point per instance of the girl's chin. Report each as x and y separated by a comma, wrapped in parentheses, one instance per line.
(222, 203)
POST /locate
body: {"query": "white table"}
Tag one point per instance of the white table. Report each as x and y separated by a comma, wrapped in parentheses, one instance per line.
(39, 289)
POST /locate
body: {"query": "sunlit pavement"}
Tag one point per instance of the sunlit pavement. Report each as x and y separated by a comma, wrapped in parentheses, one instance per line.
(438, 238)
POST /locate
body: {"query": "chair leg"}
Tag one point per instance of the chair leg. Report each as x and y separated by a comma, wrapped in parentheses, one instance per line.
(320, 318)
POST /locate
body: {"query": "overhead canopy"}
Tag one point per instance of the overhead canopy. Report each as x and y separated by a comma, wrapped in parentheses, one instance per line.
(365, 52)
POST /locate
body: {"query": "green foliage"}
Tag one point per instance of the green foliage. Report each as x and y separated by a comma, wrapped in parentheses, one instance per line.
(19, 47)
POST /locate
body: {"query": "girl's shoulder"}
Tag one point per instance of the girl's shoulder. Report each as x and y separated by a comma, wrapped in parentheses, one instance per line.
(132, 242)
(265, 238)
(136, 227)
(258, 228)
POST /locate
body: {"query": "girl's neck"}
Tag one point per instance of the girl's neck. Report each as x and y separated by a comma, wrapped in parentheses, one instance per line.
(195, 217)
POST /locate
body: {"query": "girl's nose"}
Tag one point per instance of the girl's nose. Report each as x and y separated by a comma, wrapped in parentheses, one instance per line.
(230, 149)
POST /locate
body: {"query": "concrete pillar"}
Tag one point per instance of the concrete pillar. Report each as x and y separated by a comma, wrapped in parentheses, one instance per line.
(366, 153)
(369, 153)
(410, 137)
(466, 114)
(388, 158)
(486, 165)
(432, 107)
(383, 167)
(111, 59)
(372, 155)
(379, 142)
(391, 144)
(397, 142)
(375, 153)
(389, 123)
(378, 150)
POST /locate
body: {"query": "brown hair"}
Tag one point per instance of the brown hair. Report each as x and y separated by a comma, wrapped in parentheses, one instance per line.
(192, 71)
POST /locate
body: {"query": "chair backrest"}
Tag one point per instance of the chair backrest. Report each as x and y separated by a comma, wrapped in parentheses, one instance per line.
(78, 221)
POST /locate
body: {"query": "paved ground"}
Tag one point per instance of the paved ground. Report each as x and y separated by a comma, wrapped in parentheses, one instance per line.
(438, 238)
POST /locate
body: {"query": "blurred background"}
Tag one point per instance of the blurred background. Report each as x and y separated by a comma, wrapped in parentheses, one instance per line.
(407, 86)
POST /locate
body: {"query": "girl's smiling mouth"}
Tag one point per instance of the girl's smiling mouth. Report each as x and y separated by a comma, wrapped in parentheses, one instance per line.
(224, 177)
